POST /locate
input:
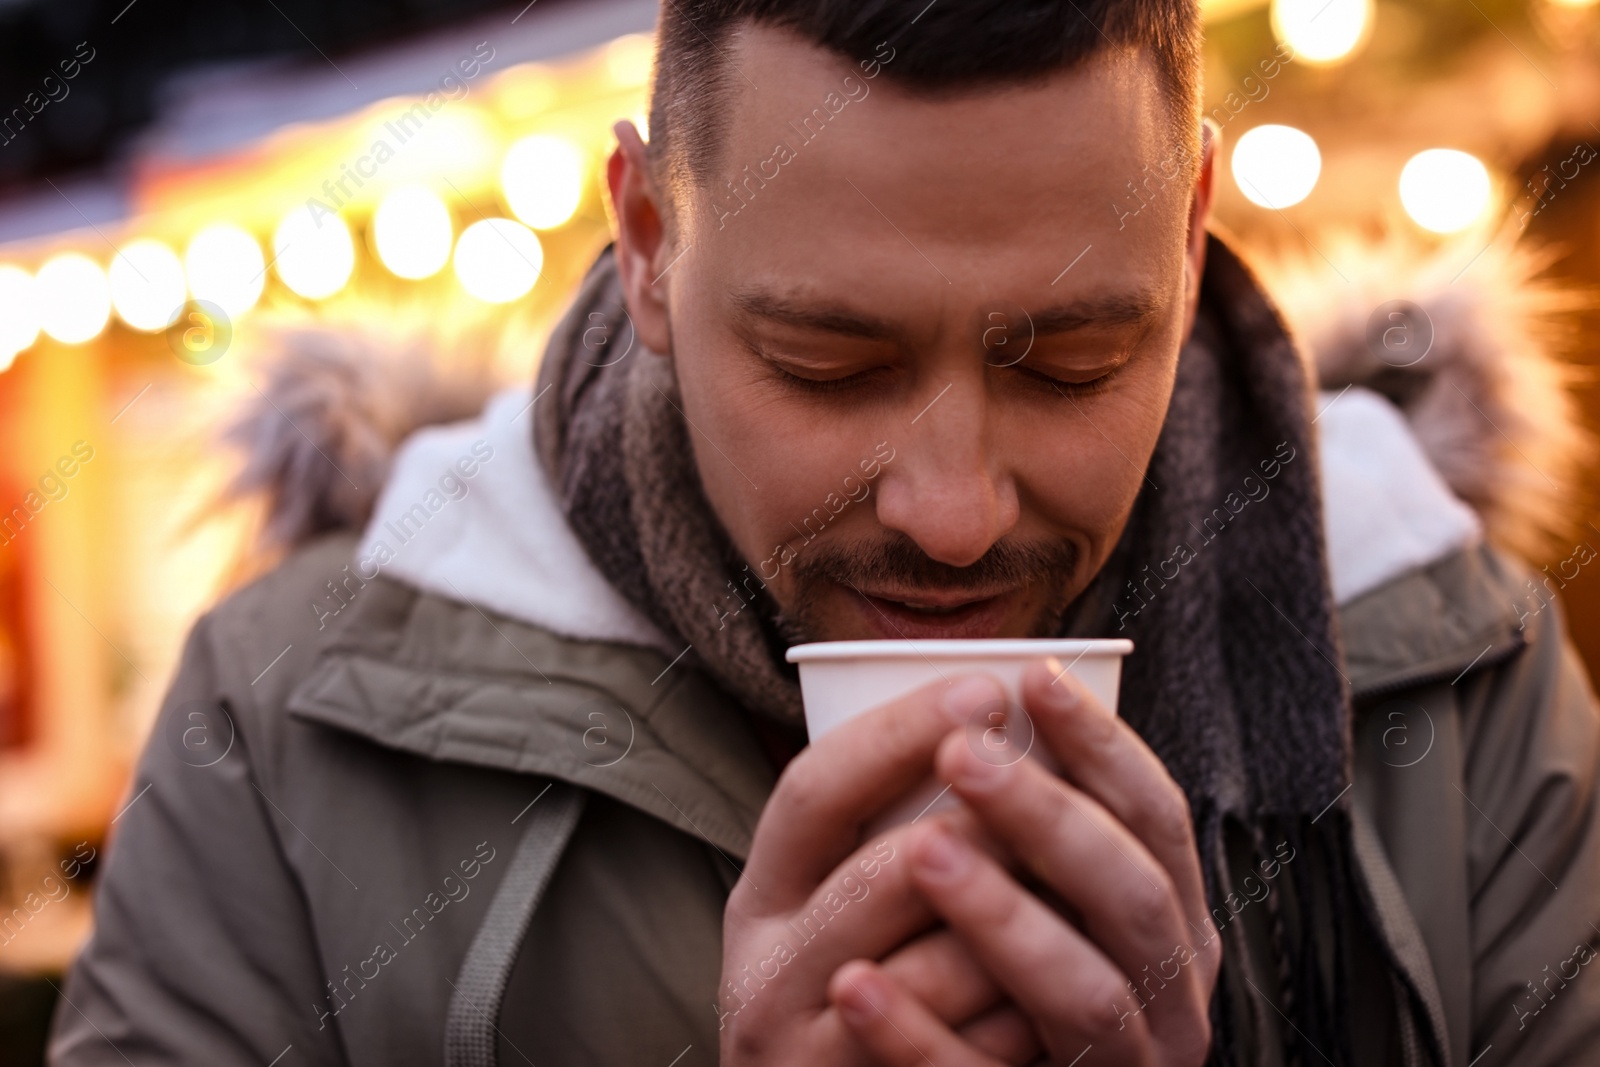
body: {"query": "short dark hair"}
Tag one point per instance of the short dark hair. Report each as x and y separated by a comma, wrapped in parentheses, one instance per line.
(946, 46)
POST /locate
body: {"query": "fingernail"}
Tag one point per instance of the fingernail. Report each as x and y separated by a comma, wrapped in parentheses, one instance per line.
(859, 1003)
(1065, 692)
(967, 695)
(942, 856)
(1060, 691)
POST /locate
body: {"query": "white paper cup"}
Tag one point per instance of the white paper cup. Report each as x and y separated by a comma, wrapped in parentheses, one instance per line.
(841, 679)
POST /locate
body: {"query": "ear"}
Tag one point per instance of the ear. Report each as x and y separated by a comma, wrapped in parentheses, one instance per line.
(642, 251)
(1199, 214)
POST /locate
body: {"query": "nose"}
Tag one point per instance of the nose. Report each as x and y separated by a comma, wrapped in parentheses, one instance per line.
(947, 488)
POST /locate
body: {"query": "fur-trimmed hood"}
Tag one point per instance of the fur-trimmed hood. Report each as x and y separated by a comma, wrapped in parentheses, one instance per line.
(1468, 342)
(1489, 402)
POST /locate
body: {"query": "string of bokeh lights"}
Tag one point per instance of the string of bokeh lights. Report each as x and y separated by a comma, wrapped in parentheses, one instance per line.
(146, 284)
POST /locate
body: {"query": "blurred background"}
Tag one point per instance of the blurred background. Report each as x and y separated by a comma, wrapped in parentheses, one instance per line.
(180, 179)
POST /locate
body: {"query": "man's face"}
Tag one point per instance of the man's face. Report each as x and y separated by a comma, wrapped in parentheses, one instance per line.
(926, 354)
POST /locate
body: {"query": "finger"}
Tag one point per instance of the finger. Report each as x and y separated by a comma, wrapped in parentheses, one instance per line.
(939, 970)
(815, 814)
(894, 1026)
(1062, 981)
(1004, 1033)
(1106, 758)
(866, 907)
(1126, 900)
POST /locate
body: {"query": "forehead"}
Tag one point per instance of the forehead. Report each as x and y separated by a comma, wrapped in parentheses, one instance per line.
(830, 180)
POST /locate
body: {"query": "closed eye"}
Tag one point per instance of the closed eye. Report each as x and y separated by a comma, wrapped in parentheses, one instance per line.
(822, 383)
(864, 383)
(1066, 387)
(849, 383)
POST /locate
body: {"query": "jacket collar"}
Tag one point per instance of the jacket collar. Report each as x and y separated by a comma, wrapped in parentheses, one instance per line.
(469, 514)
(437, 678)
(1458, 615)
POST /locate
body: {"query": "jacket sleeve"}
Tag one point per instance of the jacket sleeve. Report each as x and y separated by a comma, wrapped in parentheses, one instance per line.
(1532, 810)
(202, 950)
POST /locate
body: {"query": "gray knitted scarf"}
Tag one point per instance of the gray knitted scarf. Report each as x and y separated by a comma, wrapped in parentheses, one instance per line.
(1220, 579)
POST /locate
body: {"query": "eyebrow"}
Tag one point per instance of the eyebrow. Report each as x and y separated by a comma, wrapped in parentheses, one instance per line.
(823, 317)
(1122, 309)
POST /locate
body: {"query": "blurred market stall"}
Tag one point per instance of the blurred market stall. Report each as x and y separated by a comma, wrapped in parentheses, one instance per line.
(446, 185)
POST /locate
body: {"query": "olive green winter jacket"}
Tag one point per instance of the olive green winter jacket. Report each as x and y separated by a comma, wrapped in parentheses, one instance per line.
(430, 832)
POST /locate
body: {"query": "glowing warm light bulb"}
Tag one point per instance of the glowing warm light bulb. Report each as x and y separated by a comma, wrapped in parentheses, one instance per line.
(147, 286)
(413, 232)
(1444, 190)
(313, 252)
(19, 312)
(1322, 31)
(74, 298)
(225, 267)
(543, 180)
(498, 260)
(1276, 166)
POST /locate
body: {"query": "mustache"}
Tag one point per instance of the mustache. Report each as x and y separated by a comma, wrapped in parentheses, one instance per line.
(898, 563)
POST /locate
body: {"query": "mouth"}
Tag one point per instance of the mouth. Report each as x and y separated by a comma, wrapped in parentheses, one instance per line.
(914, 615)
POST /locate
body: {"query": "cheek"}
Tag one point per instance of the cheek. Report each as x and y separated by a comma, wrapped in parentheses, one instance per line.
(768, 466)
(1084, 472)
(1075, 479)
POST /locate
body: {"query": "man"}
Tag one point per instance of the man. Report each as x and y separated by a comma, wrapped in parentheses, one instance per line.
(881, 350)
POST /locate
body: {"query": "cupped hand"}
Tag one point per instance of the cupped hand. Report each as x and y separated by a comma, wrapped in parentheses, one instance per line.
(1128, 978)
(818, 892)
